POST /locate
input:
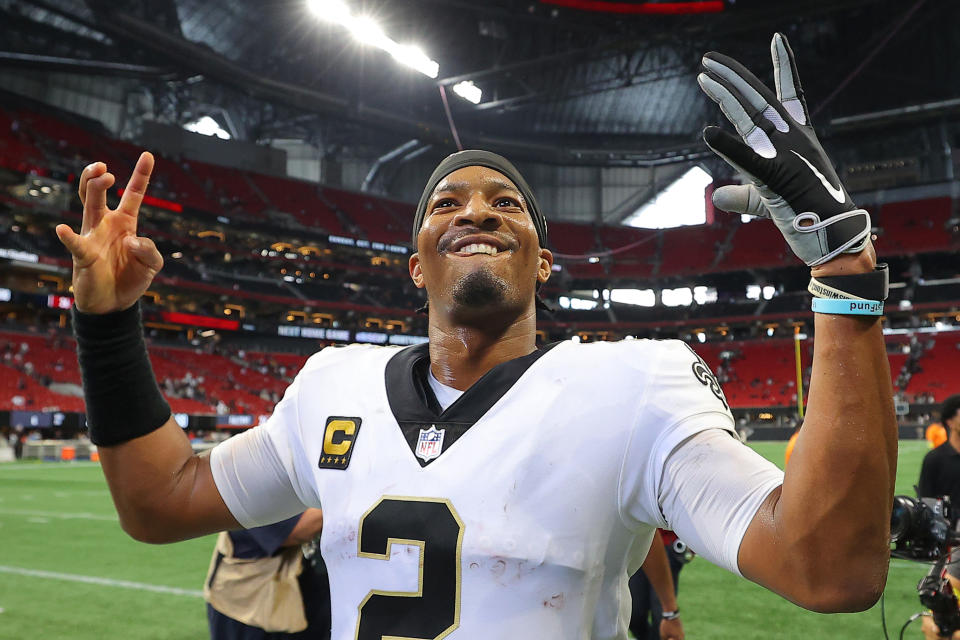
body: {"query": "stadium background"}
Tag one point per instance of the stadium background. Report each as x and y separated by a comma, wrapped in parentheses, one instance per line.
(285, 226)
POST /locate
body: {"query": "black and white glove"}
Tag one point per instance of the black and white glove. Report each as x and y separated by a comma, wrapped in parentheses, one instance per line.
(794, 182)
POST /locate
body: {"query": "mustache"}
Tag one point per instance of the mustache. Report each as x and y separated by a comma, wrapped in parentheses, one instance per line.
(448, 239)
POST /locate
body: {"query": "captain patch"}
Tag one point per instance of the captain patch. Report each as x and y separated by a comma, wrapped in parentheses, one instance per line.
(338, 437)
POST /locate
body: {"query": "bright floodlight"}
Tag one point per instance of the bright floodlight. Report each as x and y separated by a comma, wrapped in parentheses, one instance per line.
(332, 10)
(468, 91)
(413, 56)
(640, 297)
(207, 126)
(367, 31)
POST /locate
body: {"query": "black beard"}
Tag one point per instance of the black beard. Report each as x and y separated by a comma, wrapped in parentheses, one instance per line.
(479, 289)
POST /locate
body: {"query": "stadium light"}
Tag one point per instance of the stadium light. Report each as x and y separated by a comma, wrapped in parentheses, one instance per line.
(207, 126)
(639, 297)
(332, 10)
(468, 91)
(367, 31)
(414, 57)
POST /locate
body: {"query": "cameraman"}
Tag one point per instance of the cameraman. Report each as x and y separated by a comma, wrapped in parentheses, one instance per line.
(940, 473)
(929, 627)
(940, 476)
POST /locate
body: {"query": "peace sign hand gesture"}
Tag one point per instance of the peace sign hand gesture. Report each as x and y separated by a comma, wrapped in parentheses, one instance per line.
(112, 267)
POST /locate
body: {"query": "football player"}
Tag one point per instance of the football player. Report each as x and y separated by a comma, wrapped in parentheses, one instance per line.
(479, 487)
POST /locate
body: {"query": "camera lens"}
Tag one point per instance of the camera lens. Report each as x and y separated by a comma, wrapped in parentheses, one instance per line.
(901, 520)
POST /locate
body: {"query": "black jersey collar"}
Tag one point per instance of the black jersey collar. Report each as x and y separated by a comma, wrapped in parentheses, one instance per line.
(415, 407)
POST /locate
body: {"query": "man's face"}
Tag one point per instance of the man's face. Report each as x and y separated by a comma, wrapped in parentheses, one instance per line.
(478, 251)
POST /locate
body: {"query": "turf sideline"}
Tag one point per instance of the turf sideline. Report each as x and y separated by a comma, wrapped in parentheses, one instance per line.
(107, 582)
(45, 465)
(58, 515)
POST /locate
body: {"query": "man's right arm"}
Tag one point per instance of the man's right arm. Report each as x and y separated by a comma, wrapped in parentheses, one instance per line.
(162, 491)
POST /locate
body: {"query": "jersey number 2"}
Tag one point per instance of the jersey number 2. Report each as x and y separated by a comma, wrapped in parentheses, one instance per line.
(433, 611)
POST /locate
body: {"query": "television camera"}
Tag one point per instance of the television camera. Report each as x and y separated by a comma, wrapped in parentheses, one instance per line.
(924, 530)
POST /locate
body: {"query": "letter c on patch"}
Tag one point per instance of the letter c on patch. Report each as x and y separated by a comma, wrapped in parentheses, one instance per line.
(335, 439)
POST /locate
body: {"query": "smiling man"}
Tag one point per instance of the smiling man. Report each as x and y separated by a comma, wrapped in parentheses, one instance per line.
(478, 487)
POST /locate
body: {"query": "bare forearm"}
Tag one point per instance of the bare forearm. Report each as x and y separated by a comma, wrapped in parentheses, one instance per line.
(657, 569)
(832, 515)
(162, 491)
(307, 528)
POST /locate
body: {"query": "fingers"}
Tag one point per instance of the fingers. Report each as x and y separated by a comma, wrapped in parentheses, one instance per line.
(144, 251)
(731, 106)
(72, 241)
(740, 156)
(745, 83)
(92, 170)
(740, 198)
(96, 199)
(787, 80)
(137, 186)
(732, 103)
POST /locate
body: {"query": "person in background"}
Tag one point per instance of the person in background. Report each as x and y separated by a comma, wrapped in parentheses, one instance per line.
(936, 435)
(929, 627)
(790, 444)
(940, 476)
(940, 473)
(653, 591)
(260, 586)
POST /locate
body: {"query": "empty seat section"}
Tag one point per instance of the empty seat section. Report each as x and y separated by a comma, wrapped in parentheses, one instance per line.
(636, 262)
(936, 373)
(371, 215)
(228, 188)
(300, 199)
(690, 250)
(909, 227)
(756, 244)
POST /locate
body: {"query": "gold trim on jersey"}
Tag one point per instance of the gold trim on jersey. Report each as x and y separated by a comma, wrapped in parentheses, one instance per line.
(422, 545)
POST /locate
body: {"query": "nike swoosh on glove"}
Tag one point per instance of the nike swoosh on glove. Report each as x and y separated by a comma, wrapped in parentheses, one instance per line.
(794, 182)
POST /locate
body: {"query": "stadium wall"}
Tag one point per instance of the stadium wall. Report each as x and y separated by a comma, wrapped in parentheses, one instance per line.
(102, 99)
(569, 193)
(176, 141)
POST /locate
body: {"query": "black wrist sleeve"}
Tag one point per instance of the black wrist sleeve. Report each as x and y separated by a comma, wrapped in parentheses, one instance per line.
(874, 285)
(121, 392)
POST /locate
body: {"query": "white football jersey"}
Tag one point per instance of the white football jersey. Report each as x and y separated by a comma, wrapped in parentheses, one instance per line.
(517, 512)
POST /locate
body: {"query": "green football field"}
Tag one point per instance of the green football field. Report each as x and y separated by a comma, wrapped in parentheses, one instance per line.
(68, 571)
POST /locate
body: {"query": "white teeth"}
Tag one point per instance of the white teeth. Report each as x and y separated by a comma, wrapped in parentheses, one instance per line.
(478, 248)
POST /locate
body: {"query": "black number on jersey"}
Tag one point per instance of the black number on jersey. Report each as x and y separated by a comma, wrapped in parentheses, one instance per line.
(702, 372)
(433, 611)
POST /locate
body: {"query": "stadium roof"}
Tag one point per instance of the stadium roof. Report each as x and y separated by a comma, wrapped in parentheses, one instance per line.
(560, 83)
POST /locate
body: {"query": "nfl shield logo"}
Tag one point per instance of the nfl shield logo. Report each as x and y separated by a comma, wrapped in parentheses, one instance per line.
(430, 443)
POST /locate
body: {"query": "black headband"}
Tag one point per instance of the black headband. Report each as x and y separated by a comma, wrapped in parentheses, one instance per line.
(476, 158)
